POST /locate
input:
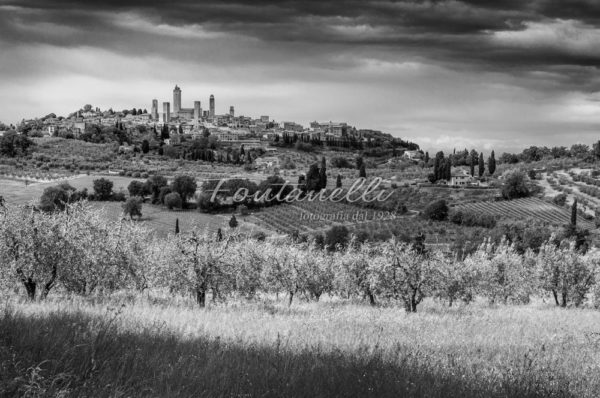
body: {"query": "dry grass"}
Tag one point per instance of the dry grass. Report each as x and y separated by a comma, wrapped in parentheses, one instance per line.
(131, 345)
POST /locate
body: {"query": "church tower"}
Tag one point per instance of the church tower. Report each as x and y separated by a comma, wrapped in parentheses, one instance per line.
(176, 100)
(212, 106)
(166, 112)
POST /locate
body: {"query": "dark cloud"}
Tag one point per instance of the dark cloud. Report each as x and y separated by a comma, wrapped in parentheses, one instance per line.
(481, 48)
(455, 32)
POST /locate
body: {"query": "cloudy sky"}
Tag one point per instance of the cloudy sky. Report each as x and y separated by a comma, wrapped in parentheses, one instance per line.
(501, 74)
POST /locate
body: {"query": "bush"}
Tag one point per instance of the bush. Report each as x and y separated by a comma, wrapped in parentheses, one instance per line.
(118, 197)
(103, 189)
(173, 201)
(138, 188)
(337, 237)
(133, 207)
(205, 205)
(515, 185)
(560, 199)
(437, 211)
(243, 210)
(185, 186)
(163, 192)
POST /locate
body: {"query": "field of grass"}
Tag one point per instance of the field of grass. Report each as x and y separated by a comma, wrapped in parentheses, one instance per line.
(16, 191)
(158, 218)
(162, 220)
(154, 346)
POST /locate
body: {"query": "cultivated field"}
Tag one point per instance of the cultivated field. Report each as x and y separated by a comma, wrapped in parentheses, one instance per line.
(158, 346)
(523, 209)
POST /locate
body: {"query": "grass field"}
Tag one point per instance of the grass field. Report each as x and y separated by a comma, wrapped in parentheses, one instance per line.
(16, 191)
(158, 218)
(137, 346)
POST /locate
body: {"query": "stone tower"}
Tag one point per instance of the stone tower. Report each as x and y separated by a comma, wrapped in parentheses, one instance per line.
(155, 109)
(197, 111)
(231, 111)
(212, 106)
(176, 100)
(166, 112)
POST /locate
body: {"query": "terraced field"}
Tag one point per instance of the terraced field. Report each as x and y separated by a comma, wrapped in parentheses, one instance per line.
(526, 208)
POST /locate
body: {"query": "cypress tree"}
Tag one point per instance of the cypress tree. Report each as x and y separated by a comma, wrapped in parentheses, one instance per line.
(472, 165)
(233, 221)
(492, 164)
(177, 225)
(359, 162)
(426, 160)
(338, 181)
(574, 213)
(323, 174)
(481, 165)
(363, 172)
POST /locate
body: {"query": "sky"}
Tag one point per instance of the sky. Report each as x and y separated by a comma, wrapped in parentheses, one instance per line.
(487, 74)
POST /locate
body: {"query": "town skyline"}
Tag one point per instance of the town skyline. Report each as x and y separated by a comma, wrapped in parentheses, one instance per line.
(443, 74)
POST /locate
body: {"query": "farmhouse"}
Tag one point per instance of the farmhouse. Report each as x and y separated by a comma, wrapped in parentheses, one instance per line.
(413, 155)
(267, 162)
(459, 180)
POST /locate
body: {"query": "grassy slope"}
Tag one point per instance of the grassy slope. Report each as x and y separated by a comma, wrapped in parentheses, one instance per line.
(160, 347)
(158, 218)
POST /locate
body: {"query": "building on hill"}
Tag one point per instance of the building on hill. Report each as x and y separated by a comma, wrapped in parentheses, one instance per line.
(211, 104)
(461, 180)
(176, 100)
(166, 112)
(267, 162)
(413, 155)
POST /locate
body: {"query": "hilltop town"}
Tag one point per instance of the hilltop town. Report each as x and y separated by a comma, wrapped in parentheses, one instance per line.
(174, 125)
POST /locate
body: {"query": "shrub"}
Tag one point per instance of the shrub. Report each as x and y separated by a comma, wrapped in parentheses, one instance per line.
(243, 210)
(163, 192)
(173, 200)
(233, 223)
(205, 204)
(437, 211)
(103, 189)
(185, 186)
(337, 237)
(515, 185)
(118, 197)
(560, 199)
(133, 207)
(138, 188)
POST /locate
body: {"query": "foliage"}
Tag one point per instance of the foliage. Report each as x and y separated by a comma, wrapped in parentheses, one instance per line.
(13, 144)
(514, 185)
(337, 237)
(173, 201)
(437, 211)
(103, 189)
(138, 188)
(133, 207)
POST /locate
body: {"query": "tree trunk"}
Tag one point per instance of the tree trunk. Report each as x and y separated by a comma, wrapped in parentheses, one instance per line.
(555, 294)
(564, 299)
(291, 297)
(30, 287)
(201, 296)
(48, 285)
(371, 297)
